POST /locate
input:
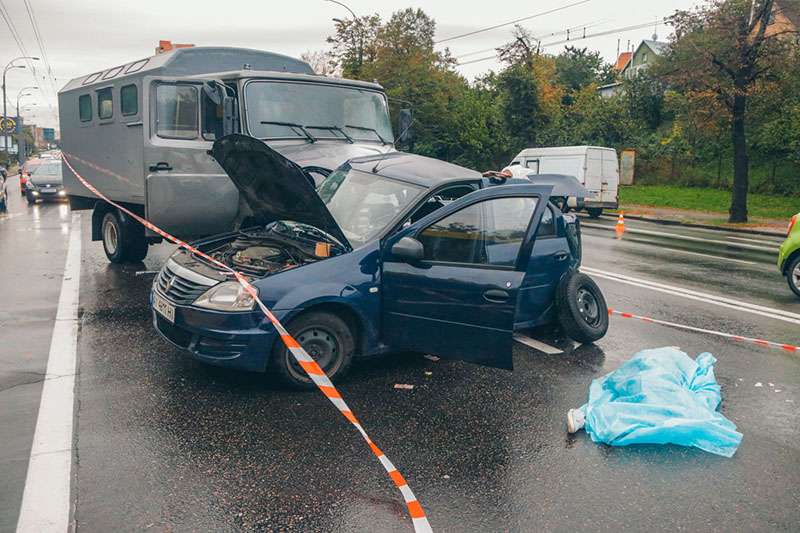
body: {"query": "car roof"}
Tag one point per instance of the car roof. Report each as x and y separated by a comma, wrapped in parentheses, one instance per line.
(413, 168)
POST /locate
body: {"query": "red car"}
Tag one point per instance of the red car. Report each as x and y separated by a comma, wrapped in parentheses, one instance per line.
(25, 172)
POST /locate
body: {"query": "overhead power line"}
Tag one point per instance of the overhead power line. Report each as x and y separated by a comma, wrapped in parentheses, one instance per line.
(563, 41)
(583, 27)
(541, 14)
(40, 42)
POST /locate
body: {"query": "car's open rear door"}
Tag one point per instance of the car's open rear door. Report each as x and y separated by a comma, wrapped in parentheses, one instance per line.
(458, 300)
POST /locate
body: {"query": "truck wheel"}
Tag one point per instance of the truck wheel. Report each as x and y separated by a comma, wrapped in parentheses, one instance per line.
(326, 338)
(582, 309)
(793, 275)
(122, 242)
(594, 212)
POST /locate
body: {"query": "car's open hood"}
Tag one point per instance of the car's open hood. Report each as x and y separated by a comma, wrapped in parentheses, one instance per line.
(272, 186)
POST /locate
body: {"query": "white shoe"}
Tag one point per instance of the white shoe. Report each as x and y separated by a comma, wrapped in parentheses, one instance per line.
(575, 420)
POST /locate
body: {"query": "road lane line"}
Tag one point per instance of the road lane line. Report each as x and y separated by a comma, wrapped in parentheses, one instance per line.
(46, 498)
(666, 235)
(694, 292)
(776, 314)
(677, 250)
(537, 345)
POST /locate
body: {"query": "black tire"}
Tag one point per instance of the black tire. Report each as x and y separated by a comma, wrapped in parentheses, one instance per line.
(594, 212)
(582, 308)
(327, 339)
(122, 242)
(793, 275)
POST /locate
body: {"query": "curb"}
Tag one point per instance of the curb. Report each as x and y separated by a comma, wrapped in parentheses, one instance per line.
(702, 226)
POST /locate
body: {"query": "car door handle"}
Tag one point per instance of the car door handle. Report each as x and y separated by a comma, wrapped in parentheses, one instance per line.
(561, 256)
(496, 296)
(160, 166)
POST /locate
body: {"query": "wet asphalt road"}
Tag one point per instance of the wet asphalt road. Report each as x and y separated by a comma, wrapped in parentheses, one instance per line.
(167, 444)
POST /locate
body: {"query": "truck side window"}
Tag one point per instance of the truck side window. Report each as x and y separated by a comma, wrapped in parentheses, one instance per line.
(85, 107)
(176, 111)
(212, 119)
(129, 100)
(105, 104)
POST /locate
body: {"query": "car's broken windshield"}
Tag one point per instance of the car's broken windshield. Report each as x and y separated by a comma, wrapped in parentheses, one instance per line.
(364, 204)
(275, 109)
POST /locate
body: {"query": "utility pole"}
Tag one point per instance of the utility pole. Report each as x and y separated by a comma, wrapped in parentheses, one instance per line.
(359, 28)
(10, 66)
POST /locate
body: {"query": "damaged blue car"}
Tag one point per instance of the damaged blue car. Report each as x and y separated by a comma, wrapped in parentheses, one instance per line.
(391, 253)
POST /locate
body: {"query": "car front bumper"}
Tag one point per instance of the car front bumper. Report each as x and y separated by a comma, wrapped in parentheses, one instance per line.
(241, 341)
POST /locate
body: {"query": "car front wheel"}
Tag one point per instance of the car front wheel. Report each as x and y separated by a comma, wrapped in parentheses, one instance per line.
(326, 338)
(793, 275)
(582, 308)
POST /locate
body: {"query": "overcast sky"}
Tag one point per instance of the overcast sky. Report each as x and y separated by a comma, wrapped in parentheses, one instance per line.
(84, 36)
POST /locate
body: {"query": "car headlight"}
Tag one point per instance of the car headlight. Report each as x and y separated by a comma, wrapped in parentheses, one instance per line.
(62, 192)
(227, 296)
(35, 193)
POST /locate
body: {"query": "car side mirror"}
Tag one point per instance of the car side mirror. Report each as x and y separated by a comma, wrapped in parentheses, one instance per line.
(408, 249)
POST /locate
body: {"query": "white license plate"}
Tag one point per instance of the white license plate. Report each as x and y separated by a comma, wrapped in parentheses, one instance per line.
(164, 308)
(48, 189)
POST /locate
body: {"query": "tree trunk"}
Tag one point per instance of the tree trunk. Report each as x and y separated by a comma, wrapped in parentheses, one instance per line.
(738, 210)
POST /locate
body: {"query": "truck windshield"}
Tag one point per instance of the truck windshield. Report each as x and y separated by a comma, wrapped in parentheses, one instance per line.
(364, 204)
(283, 110)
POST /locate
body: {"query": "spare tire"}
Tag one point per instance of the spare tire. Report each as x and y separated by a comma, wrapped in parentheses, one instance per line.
(581, 308)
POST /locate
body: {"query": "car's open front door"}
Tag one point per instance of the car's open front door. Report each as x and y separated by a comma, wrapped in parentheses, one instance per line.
(450, 281)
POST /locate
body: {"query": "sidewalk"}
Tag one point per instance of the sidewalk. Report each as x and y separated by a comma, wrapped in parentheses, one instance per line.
(707, 219)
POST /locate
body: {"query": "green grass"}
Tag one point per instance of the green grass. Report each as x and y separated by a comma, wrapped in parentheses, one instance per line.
(708, 200)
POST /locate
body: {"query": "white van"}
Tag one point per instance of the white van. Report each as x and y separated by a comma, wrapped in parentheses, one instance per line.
(597, 169)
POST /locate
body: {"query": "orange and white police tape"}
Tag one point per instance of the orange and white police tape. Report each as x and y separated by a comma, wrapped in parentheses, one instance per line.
(317, 375)
(760, 342)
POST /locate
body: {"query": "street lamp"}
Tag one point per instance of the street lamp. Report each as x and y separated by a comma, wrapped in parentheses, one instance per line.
(21, 95)
(360, 29)
(10, 66)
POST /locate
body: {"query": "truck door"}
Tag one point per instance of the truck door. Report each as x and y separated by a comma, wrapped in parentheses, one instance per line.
(186, 192)
(593, 180)
(457, 297)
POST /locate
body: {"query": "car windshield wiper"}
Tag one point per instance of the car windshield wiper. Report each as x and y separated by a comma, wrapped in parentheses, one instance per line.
(373, 130)
(333, 128)
(302, 128)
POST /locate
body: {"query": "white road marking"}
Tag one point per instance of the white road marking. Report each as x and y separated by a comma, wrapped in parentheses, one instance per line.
(46, 498)
(718, 257)
(537, 345)
(691, 294)
(771, 249)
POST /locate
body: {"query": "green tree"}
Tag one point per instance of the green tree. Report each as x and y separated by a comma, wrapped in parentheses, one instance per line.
(723, 48)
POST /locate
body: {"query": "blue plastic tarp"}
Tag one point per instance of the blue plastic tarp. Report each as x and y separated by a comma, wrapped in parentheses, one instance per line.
(661, 396)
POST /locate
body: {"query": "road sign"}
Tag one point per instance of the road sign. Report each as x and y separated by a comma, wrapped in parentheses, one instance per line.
(7, 125)
(49, 134)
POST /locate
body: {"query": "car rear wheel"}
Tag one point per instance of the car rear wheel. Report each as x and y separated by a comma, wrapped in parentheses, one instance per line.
(594, 212)
(326, 338)
(582, 308)
(793, 275)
